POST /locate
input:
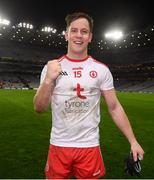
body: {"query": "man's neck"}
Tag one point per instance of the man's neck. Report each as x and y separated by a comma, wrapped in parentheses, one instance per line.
(77, 56)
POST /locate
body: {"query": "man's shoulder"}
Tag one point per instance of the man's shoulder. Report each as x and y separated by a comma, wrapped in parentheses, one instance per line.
(60, 58)
(98, 62)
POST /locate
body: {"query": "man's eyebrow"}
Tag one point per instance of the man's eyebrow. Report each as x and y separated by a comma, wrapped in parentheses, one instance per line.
(85, 29)
(77, 28)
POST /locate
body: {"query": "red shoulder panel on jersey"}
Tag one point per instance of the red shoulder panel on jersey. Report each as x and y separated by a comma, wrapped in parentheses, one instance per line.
(99, 62)
(61, 58)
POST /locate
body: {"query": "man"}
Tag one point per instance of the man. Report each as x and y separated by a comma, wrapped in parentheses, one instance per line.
(73, 84)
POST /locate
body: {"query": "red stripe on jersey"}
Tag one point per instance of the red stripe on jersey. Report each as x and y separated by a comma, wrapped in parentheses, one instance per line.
(61, 58)
(99, 62)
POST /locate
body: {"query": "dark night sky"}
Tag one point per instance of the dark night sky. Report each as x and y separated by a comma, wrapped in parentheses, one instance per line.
(130, 15)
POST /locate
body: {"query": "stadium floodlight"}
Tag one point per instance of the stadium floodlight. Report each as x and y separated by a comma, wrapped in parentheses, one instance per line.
(114, 35)
(49, 29)
(54, 31)
(25, 25)
(4, 21)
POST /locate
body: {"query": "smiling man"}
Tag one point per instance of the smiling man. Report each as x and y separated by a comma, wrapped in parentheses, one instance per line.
(73, 85)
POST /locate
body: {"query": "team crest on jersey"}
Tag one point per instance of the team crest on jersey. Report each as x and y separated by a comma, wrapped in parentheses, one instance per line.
(78, 90)
(63, 73)
(93, 74)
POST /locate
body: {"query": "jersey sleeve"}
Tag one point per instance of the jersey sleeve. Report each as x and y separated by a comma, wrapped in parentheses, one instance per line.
(107, 80)
(43, 74)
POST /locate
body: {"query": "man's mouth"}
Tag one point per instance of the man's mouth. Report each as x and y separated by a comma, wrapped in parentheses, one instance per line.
(78, 42)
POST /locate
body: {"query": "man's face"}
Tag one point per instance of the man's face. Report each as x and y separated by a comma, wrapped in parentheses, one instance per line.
(78, 36)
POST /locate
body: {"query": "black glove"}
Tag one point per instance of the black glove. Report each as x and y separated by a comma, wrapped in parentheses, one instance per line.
(132, 167)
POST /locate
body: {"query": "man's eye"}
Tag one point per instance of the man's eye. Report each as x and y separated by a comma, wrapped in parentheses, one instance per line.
(73, 30)
(85, 32)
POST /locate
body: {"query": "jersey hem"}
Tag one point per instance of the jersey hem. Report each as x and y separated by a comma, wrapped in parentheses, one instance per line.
(105, 89)
(74, 145)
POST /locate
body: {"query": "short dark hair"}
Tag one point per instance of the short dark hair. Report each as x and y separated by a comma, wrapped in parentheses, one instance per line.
(76, 15)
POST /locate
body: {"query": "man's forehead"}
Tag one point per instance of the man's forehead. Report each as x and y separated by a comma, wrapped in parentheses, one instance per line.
(81, 22)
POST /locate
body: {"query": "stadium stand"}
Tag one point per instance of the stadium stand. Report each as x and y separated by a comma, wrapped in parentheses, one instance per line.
(23, 55)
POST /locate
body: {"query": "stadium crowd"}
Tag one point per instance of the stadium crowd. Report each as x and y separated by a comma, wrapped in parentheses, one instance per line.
(25, 50)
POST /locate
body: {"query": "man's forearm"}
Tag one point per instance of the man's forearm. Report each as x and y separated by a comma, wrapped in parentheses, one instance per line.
(43, 96)
(121, 120)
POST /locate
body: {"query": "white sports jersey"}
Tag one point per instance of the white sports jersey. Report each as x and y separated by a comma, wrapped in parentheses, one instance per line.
(75, 102)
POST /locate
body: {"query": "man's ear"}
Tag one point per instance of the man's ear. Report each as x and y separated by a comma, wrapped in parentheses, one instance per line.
(90, 37)
(66, 35)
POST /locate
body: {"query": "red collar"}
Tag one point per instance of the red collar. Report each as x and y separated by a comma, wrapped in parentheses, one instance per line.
(77, 60)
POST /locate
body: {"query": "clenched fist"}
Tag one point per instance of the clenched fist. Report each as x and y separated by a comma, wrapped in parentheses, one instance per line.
(53, 70)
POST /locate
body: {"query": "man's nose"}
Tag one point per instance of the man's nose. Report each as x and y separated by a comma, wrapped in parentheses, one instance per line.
(79, 34)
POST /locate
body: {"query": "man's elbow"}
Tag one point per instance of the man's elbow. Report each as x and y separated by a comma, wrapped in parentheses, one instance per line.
(113, 107)
(39, 109)
(116, 108)
(40, 106)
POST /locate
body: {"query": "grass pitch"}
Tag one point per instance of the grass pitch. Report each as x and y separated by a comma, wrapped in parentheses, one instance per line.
(24, 136)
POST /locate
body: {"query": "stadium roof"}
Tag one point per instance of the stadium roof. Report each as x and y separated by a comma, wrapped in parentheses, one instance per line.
(130, 15)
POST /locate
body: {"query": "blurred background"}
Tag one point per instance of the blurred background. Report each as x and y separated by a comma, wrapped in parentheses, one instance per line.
(32, 33)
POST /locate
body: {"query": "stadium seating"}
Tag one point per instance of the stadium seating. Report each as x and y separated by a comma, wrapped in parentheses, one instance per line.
(21, 61)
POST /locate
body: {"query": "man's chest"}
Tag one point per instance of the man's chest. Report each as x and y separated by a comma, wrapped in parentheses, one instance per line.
(78, 78)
